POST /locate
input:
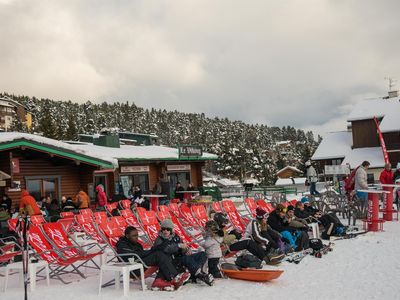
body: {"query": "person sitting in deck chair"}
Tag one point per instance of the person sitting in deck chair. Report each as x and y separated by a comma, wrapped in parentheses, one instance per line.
(298, 239)
(171, 244)
(168, 278)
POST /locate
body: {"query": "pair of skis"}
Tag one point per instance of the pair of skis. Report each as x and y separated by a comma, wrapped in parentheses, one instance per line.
(324, 250)
(298, 256)
(348, 236)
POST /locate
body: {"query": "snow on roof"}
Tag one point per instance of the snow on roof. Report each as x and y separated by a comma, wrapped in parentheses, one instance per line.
(388, 109)
(111, 155)
(334, 145)
(282, 143)
(290, 168)
(227, 182)
(374, 155)
(290, 181)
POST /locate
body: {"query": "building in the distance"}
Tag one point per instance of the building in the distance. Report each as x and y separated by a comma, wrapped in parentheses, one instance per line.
(10, 110)
(361, 141)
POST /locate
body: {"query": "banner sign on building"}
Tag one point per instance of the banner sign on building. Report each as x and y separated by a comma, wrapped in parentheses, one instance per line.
(15, 165)
(337, 170)
(178, 167)
(190, 151)
(135, 169)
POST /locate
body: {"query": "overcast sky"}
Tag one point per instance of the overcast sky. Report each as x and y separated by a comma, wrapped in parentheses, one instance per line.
(300, 63)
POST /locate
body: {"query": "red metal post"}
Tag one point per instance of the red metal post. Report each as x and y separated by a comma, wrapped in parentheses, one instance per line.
(388, 212)
(373, 212)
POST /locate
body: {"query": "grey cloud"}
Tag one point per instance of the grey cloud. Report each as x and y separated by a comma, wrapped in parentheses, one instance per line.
(298, 63)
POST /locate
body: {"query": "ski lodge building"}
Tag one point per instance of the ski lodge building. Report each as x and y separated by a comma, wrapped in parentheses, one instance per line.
(362, 141)
(48, 167)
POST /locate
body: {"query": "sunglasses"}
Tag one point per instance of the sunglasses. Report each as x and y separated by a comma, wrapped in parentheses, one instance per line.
(166, 228)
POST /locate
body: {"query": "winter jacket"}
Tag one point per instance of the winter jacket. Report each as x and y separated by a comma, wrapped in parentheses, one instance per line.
(301, 214)
(361, 179)
(6, 203)
(125, 246)
(168, 245)
(279, 224)
(28, 204)
(312, 174)
(83, 200)
(386, 177)
(253, 231)
(101, 196)
(212, 245)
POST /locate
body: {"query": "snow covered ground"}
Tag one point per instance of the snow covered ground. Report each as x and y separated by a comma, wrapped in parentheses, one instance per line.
(366, 267)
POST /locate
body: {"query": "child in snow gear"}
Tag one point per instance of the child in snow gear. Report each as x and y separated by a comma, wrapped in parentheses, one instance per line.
(212, 246)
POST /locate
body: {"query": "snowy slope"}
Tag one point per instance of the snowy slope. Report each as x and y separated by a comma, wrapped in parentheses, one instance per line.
(363, 268)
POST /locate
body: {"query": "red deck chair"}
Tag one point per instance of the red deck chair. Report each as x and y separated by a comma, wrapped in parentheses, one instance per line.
(174, 208)
(285, 204)
(149, 223)
(187, 216)
(200, 214)
(251, 206)
(58, 263)
(110, 207)
(67, 214)
(37, 219)
(293, 202)
(9, 250)
(59, 238)
(69, 224)
(237, 221)
(112, 233)
(87, 212)
(164, 209)
(12, 224)
(130, 218)
(100, 217)
(125, 204)
(87, 225)
(264, 205)
(216, 206)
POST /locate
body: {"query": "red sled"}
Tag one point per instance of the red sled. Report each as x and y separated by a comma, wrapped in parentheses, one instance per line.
(250, 274)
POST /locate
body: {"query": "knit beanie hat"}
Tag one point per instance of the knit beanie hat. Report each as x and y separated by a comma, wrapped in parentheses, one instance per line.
(305, 200)
(290, 207)
(167, 223)
(261, 214)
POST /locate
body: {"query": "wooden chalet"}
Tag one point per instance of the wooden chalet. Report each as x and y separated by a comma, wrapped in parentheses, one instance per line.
(361, 141)
(46, 167)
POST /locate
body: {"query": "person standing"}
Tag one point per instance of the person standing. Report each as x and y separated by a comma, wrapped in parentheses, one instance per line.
(28, 204)
(101, 196)
(312, 178)
(386, 176)
(179, 191)
(82, 200)
(396, 174)
(6, 202)
(361, 182)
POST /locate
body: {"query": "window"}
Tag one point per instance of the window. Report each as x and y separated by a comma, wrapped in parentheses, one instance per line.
(336, 162)
(182, 177)
(129, 181)
(43, 187)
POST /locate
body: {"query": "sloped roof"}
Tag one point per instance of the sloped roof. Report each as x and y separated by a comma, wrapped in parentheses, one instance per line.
(388, 109)
(104, 156)
(338, 145)
(290, 168)
(334, 145)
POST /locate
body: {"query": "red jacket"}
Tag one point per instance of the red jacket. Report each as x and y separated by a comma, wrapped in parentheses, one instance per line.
(28, 204)
(101, 196)
(386, 177)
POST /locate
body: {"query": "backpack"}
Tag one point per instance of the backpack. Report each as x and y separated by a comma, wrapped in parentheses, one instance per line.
(316, 244)
(248, 261)
(350, 181)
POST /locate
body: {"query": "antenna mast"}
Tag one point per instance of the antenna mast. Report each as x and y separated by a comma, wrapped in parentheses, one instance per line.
(391, 82)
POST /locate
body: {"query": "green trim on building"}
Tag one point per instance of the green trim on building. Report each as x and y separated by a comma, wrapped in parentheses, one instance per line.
(168, 159)
(64, 153)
